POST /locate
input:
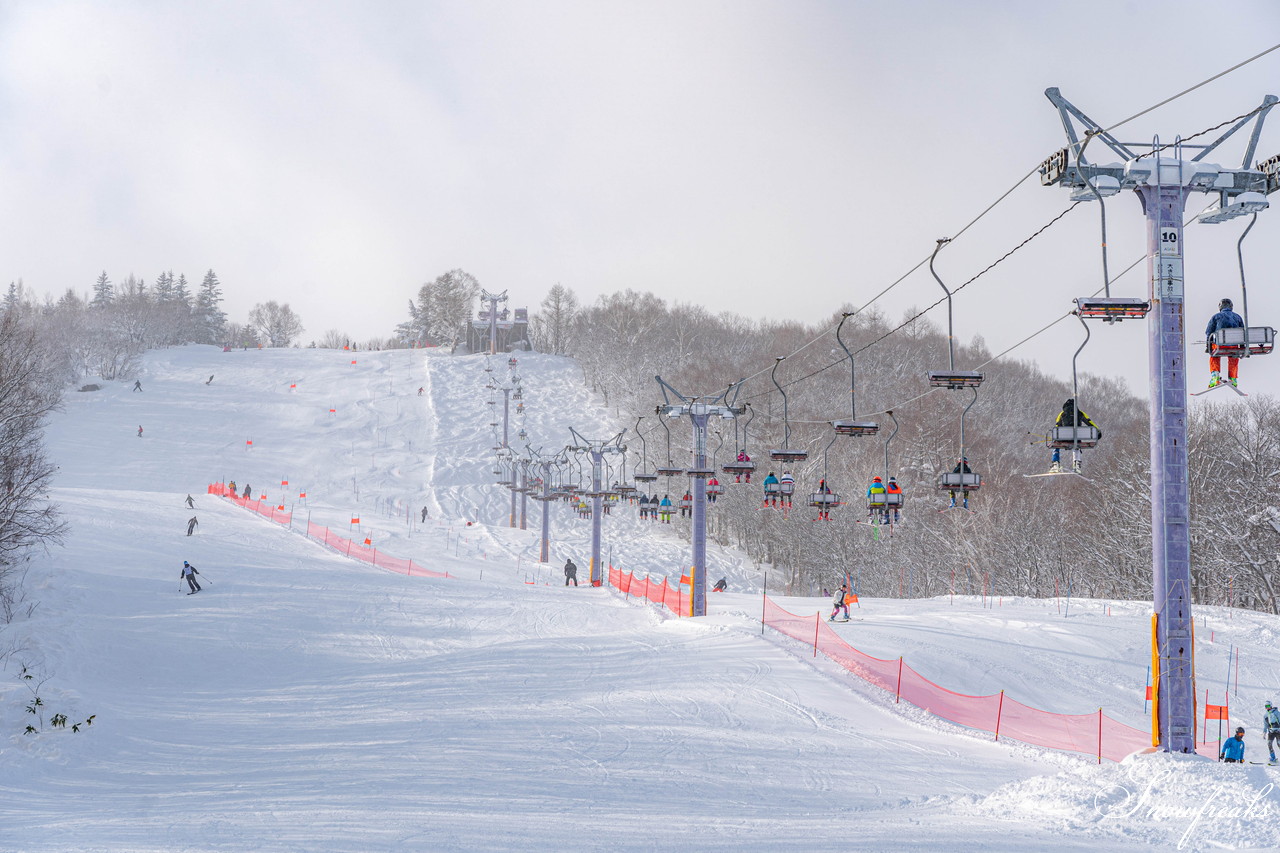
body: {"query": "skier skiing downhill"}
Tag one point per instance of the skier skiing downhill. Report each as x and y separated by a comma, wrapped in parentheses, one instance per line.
(189, 572)
(1271, 727)
(1224, 319)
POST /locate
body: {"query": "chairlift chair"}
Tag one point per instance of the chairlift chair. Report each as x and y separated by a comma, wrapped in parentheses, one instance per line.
(1112, 308)
(1242, 342)
(1083, 437)
(785, 453)
(959, 481)
(955, 379)
(824, 500)
(704, 473)
(856, 427)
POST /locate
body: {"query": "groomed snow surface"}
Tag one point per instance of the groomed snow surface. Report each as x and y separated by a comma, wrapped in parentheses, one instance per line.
(307, 702)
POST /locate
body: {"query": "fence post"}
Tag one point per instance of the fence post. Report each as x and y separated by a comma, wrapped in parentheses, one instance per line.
(817, 623)
(897, 697)
(764, 599)
(1099, 735)
(999, 712)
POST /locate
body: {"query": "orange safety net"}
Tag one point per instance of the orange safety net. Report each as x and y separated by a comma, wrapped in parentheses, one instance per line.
(328, 538)
(670, 597)
(1003, 716)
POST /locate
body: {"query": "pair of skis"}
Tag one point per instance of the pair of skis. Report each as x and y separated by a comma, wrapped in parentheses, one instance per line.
(1216, 387)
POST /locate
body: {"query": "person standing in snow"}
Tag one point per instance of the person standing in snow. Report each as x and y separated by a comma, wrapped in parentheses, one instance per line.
(1271, 727)
(139, 430)
(1233, 749)
(191, 525)
(424, 513)
(189, 572)
(841, 603)
(570, 572)
(248, 492)
(137, 385)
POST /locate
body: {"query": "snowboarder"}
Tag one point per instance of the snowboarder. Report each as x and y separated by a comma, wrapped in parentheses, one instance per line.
(570, 572)
(209, 381)
(1224, 319)
(1233, 749)
(1070, 416)
(420, 390)
(664, 509)
(191, 525)
(139, 430)
(189, 572)
(191, 502)
(841, 602)
(770, 490)
(137, 385)
(1271, 726)
(424, 513)
(721, 585)
(248, 492)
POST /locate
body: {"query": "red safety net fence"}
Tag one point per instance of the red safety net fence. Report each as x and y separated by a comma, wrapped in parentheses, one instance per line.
(1001, 715)
(327, 537)
(672, 597)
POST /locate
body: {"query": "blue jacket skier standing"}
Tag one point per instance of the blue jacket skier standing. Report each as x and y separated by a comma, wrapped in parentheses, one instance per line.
(1233, 749)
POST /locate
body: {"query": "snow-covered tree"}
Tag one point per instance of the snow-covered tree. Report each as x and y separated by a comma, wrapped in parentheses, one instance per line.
(275, 323)
(207, 317)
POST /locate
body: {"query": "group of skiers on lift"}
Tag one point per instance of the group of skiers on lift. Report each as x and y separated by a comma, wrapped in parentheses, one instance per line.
(1233, 748)
(778, 491)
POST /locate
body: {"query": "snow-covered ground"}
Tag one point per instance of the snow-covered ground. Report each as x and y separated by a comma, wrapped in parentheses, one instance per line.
(308, 702)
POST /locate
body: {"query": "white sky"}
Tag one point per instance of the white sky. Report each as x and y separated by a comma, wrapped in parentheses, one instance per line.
(775, 159)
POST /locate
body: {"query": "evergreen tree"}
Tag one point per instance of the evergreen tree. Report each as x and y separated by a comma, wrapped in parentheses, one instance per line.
(103, 292)
(209, 320)
(163, 289)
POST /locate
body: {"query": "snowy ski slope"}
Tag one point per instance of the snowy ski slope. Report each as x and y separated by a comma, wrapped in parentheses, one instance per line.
(307, 702)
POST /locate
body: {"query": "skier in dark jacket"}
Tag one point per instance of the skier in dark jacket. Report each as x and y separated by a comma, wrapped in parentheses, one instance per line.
(191, 502)
(189, 572)
(1070, 416)
(1224, 319)
(248, 492)
(570, 572)
(191, 525)
(1233, 749)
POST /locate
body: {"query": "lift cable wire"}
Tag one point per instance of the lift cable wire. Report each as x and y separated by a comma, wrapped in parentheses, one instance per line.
(1173, 98)
(990, 207)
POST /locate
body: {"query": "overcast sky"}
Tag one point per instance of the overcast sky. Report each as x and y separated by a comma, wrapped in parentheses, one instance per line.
(776, 159)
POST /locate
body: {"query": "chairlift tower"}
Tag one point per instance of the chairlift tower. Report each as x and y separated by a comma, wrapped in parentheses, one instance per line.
(1163, 183)
(596, 449)
(700, 410)
(493, 299)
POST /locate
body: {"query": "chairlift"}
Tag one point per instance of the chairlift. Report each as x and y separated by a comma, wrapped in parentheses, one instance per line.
(823, 499)
(853, 426)
(785, 453)
(644, 475)
(964, 481)
(1111, 309)
(670, 469)
(741, 467)
(881, 504)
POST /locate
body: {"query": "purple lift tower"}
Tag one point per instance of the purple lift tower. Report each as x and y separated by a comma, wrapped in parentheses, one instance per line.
(1163, 177)
(700, 411)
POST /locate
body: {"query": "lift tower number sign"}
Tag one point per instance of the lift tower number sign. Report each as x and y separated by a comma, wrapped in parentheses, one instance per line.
(1168, 283)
